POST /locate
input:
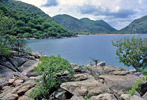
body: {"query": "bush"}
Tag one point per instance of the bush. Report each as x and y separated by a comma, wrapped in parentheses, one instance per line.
(132, 52)
(50, 68)
(136, 85)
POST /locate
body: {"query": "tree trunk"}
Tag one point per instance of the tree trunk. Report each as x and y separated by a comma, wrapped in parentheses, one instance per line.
(137, 69)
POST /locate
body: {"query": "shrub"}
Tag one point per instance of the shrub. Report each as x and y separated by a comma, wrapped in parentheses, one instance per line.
(50, 68)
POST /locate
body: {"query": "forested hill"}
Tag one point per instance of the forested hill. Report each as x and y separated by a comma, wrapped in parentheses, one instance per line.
(13, 4)
(83, 25)
(138, 26)
(29, 21)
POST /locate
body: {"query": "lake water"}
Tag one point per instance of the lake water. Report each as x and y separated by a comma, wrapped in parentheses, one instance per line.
(81, 49)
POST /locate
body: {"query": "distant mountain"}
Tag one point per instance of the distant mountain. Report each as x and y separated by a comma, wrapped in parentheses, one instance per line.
(84, 24)
(137, 26)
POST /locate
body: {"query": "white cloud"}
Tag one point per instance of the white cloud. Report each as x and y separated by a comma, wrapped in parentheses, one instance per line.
(118, 13)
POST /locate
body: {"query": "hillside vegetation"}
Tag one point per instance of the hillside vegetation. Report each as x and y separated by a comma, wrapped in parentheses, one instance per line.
(83, 25)
(31, 22)
(137, 26)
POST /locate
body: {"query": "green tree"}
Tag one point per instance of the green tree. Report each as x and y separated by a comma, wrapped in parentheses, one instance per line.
(6, 24)
(132, 51)
(50, 68)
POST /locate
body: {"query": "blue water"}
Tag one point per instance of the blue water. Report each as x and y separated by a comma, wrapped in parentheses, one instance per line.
(81, 49)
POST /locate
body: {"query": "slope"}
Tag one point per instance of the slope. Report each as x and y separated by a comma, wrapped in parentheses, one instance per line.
(137, 26)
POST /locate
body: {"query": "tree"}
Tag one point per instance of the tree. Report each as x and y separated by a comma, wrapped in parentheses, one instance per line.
(132, 51)
(6, 24)
(50, 68)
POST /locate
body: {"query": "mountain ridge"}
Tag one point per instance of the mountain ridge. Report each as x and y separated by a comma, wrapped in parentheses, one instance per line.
(138, 26)
(84, 24)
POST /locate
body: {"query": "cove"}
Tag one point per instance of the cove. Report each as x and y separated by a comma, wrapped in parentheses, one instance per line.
(81, 49)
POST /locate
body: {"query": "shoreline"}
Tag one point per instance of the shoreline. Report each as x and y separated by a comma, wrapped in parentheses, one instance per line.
(113, 34)
(77, 36)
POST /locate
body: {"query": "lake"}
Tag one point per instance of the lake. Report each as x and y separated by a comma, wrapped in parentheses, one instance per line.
(81, 49)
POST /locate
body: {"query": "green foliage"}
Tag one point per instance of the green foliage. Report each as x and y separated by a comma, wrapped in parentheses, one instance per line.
(31, 23)
(9, 42)
(132, 52)
(136, 85)
(86, 97)
(84, 25)
(50, 68)
(144, 72)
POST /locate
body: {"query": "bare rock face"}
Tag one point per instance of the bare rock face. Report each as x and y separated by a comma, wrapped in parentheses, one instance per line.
(17, 61)
(29, 64)
(105, 96)
(4, 62)
(120, 83)
(89, 87)
(6, 72)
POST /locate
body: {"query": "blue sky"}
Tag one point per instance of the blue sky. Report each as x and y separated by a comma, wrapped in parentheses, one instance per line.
(118, 13)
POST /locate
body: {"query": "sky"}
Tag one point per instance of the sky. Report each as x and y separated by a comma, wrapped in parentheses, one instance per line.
(117, 13)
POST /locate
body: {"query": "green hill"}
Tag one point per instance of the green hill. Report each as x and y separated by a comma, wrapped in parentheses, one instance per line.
(137, 26)
(30, 21)
(83, 25)
(14, 4)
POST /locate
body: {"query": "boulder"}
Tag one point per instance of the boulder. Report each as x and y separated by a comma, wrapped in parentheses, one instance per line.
(119, 84)
(60, 94)
(110, 69)
(77, 98)
(105, 96)
(28, 92)
(7, 72)
(23, 89)
(23, 98)
(20, 90)
(10, 96)
(144, 96)
(78, 69)
(17, 82)
(29, 65)
(35, 78)
(31, 57)
(11, 81)
(96, 71)
(6, 64)
(17, 61)
(36, 54)
(88, 87)
(81, 77)
(101, 64)
(121, 72)
(129, 97)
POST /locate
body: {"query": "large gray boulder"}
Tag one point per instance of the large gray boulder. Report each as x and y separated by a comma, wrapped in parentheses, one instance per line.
(17, 61)
(4, 62)
(88, 87)
(119, 84)
(5, 71)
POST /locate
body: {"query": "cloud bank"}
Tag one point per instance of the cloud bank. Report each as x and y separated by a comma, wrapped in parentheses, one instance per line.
(118, 13)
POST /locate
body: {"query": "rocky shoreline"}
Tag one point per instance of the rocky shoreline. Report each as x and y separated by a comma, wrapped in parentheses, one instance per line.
(17, 79)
